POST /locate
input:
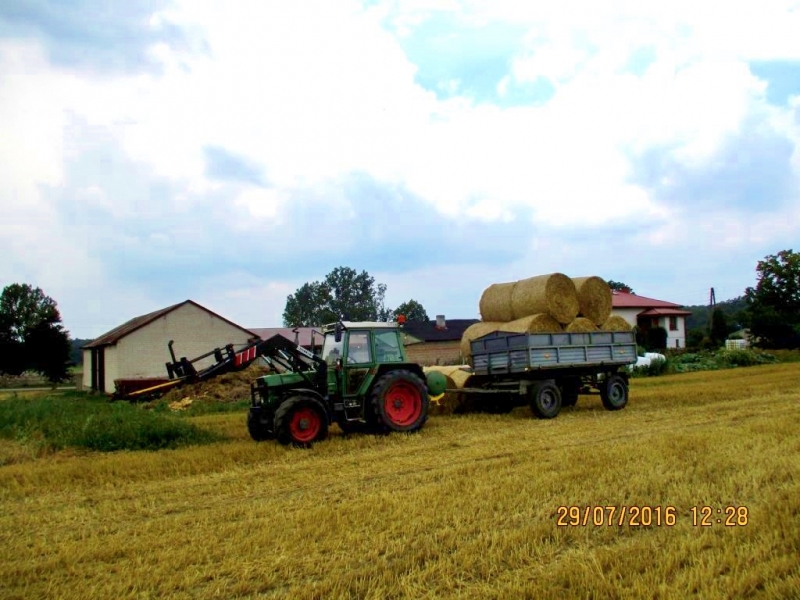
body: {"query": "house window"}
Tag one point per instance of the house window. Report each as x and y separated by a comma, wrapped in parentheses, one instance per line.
(654, 322)
(673, 323)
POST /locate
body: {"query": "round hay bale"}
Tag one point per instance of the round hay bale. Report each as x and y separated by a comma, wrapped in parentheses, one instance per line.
(581, 325)
(539, 323)
(475, 331)
(594, 298)
(495, 303)
(554, 294)
(616, 323)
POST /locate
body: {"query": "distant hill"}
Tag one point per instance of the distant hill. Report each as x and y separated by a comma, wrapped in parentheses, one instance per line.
(732, 309)
(75, 355)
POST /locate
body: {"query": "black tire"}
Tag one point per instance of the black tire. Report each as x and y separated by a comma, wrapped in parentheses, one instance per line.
(399, 402)
(301, 421)
(545, 399)
(259, 425)
(614, 393)
(570, 389)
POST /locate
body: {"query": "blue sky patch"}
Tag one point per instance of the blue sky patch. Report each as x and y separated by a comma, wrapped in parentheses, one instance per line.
(224, 165)
(109, 36)
(640, 60)
(782, 77)
(456, 59)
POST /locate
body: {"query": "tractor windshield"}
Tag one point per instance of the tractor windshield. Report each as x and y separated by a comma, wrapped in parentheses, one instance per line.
(331, 349)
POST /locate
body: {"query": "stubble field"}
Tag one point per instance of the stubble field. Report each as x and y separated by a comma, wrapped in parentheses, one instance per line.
(468, 508)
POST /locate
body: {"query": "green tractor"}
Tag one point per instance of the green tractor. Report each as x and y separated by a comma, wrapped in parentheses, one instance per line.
(362, 381)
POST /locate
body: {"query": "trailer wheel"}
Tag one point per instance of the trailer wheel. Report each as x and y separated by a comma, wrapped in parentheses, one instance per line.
(614, 393)
(399, 402)
(301, 421)
(545, 399)
(259, 426)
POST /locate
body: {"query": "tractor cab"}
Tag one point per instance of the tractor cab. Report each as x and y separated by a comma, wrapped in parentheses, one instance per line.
(363, 382)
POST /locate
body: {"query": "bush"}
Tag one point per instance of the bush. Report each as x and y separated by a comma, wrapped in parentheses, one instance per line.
(77, 420)
(746, 358)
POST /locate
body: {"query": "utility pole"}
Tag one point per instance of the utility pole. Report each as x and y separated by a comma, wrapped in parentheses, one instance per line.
(712, 302)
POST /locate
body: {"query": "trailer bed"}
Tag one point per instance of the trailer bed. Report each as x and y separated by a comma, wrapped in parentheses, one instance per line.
(506, 353)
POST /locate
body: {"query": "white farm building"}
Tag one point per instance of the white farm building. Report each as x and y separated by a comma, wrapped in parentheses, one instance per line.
(138, 349)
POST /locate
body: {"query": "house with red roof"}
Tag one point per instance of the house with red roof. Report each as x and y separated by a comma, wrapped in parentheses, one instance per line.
(644, 313)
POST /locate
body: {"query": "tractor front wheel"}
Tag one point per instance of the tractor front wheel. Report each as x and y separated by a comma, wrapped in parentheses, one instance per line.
(259, 425)
(400, 401)
(301, 421)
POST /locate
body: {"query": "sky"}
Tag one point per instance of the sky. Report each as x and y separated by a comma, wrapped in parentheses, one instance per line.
(154, 151)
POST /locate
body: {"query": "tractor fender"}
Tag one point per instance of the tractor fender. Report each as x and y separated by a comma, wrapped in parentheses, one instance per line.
(413, 367)
(308, 392)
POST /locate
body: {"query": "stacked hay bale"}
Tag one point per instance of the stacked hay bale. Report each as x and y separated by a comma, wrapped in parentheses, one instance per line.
(545, 304)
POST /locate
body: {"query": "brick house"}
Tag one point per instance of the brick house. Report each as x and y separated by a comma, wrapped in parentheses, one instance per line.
(435, 342)
(137, 349)
(644, 313)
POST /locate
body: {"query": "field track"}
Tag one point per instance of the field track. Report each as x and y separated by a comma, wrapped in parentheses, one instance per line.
(468, 508)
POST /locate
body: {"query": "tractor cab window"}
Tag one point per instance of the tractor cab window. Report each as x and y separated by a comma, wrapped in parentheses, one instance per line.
(387, 347)
(358, 350)
(332, 350)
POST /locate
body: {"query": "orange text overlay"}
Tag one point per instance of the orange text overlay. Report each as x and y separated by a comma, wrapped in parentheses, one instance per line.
(649, 516)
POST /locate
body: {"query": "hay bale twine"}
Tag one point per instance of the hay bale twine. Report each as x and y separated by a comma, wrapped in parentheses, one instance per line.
(554, 294)
(594, 298)
(475, 331)
(495, 302)
(539, 323)
(616, 323)
(581, 325)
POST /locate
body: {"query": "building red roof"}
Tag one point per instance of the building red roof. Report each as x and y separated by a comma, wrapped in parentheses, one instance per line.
(626, 300)
(663, 312)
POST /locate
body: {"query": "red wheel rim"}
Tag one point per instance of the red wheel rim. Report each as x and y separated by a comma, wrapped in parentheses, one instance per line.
(402, 403)
(305, 424)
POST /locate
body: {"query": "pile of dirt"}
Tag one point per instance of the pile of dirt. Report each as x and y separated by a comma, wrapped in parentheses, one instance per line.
(230, 387)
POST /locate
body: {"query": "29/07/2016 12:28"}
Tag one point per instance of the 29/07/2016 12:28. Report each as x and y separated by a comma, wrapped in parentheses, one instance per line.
(648, 516)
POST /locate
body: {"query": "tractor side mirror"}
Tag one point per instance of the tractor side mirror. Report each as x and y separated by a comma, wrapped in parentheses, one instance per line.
(337, 334)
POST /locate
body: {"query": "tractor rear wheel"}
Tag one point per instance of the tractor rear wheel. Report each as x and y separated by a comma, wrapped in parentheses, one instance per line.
(301, 421)
(545, 399)
(260, 425)
(399, 401)
(614, 393)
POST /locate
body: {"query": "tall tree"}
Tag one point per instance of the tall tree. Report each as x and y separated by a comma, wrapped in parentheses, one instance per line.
(344, 293)
(31, 334)
(618, 286)
(774, 303)
(719, 328)
(412, 310)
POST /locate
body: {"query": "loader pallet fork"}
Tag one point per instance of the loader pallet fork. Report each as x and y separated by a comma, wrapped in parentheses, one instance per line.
(182, 371)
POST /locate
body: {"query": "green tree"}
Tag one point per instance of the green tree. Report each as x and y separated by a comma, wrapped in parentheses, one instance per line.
(618, 286)
(344, 293)
(774, 303)
(719, 328)
(31, 334)
(413, 311)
